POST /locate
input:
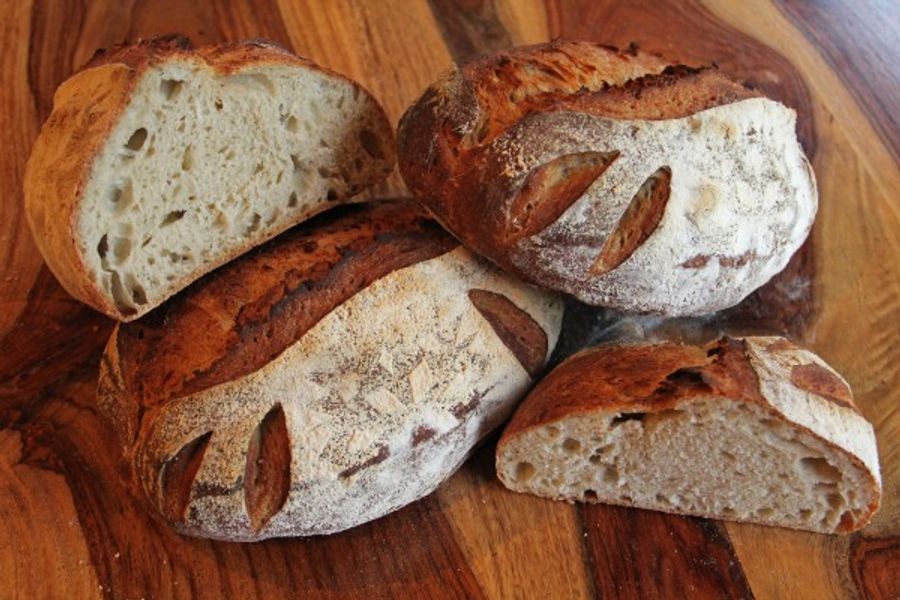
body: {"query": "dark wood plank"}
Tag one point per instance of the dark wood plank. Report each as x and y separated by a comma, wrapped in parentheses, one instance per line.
(876, 567)
(643, 554)
(859, 41)
(470, 29)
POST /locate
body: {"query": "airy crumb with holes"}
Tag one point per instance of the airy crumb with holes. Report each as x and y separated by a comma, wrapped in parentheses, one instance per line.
(208, 154)
(726, 431)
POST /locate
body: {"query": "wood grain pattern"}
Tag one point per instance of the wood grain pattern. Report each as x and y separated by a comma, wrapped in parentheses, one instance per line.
(862, 50)
(70, 526)
(644, 554)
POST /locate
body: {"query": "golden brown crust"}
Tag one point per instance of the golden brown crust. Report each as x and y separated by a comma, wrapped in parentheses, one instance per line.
(819, 380)
(243, 315)
(637, 378)
(225, 58)
(86, 108)
(444, 140)
(58, 168)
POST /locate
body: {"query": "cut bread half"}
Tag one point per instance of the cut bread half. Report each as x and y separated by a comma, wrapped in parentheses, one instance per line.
(752, 429)
(160, 163)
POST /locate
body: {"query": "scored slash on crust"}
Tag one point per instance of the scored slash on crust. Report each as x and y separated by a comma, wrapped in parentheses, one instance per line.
(639, 221)
(553, 187)
(267, 476)
(524, 337)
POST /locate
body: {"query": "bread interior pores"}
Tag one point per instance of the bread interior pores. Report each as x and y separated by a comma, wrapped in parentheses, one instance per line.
(200, 162)
(712, 457)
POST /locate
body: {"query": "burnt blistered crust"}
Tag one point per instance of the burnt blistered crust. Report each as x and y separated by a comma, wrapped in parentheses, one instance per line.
(445, 149)
(141, 52)
(242, 316)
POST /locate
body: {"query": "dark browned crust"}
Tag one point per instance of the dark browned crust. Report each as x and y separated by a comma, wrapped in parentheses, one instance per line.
(226, 57)
(518, 331)
(638, 378)
(177, 478)
(552, 188)
(677, 92)
(422, 434)
(243, 315)
(822, 382)
(640, 219)
(380, 456)
(444, 140)
(134, 54)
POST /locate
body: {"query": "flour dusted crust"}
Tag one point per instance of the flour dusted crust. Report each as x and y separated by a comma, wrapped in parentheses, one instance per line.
(382, 399)
(543, 158)
(161, 162)
(754, 429)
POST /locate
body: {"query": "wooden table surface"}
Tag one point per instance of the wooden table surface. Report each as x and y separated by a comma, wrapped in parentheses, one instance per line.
(69, 528)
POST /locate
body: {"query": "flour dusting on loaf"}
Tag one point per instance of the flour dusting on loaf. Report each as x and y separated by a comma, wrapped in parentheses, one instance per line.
(568, 138)
(741, 201)
(382, 399)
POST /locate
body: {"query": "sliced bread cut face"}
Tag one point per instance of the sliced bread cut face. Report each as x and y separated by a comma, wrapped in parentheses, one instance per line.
(694, 432)
(201, 156)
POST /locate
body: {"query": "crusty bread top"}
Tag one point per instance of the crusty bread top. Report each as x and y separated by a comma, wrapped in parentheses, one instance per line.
(241, 316)
(640, 377)
(225, 57)
(636, 378)
(446, 136)
(695, 430)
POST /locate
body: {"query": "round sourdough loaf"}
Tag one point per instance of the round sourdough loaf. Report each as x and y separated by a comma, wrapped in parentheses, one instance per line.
(331, 376)
(611, 175)
(748, 429)
(161, 162)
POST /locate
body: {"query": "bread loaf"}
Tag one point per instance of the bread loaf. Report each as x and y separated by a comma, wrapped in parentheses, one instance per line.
(752, 429)
(611, 175)
(335, 374)
(160, 163)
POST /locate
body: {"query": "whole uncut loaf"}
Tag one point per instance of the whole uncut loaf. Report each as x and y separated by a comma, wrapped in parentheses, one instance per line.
(753, 429)
(160, 162)
(611, 175)
(331, 376)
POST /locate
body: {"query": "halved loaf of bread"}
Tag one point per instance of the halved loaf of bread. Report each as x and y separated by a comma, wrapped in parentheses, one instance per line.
(752, 429)
(335, 374)
(160, 163)
(611, 175)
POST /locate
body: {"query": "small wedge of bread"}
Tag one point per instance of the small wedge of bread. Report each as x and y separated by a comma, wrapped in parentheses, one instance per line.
(160, 163)
(753, 429)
